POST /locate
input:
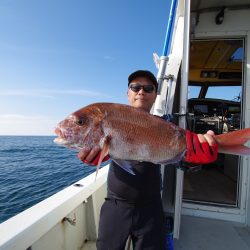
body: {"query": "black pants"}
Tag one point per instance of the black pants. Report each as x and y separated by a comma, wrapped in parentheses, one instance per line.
(144, 223)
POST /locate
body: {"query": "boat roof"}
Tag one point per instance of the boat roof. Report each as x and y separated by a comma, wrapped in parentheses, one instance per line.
(216, 61)
(202, 5)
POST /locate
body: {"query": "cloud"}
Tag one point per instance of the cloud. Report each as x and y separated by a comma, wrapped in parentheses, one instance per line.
(15, 124)
(50, 93)
(15, 47)
(109, 58)
(5, 117)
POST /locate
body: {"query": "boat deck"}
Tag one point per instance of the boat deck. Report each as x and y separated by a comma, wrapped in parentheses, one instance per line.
(206, 234)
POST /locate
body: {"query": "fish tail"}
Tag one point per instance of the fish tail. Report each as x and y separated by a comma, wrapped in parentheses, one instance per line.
(233, 142)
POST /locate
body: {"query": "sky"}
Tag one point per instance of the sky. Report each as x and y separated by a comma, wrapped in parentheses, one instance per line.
(60, 55)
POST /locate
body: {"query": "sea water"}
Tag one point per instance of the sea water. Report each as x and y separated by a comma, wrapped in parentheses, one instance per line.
(33, 168)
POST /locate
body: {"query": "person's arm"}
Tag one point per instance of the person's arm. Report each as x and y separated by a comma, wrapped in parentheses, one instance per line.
(201, 149)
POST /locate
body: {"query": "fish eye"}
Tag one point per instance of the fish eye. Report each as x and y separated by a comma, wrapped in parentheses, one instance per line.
(80, 121)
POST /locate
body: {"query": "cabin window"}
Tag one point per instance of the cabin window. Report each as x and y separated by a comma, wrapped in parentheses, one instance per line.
(193, 91)
(237, 55)
(231, 93)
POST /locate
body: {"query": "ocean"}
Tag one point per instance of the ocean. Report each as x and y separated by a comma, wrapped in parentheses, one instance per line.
(33, 168)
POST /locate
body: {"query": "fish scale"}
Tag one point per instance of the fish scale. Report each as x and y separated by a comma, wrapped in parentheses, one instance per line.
(144, 129)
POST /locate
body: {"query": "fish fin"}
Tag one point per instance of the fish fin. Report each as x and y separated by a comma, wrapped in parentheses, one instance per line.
(235, 150)
(174, 160)
(125, 165)
(104, 152)
(233, 142)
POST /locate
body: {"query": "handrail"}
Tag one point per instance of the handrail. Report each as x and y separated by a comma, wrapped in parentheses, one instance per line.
(24, 229)
(171, 18)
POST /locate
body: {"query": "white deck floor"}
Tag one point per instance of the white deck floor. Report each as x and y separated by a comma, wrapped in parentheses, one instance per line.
(206, 234)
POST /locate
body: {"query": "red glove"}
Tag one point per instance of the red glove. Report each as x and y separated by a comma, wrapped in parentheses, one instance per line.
(199, 153)
(96, 159)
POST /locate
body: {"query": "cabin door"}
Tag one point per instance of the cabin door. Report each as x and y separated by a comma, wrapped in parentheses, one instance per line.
(215, 102)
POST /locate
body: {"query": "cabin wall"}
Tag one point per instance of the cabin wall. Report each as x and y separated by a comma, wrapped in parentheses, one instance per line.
(236, 24)
(247, 123)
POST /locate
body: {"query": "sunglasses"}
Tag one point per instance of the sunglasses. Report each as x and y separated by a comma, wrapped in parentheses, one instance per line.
(136, 87)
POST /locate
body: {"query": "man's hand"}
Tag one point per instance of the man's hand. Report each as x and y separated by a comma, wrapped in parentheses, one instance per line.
(201, 149)
(91, 157)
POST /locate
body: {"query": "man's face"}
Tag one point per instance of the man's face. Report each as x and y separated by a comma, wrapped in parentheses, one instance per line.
(141, 99)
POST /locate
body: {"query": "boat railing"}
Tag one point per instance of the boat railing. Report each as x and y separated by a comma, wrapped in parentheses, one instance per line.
(65, 220)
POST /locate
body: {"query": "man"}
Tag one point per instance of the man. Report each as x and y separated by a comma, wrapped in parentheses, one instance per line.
(133, 204)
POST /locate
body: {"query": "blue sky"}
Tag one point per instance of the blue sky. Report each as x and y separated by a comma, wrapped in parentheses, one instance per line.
(58, 56)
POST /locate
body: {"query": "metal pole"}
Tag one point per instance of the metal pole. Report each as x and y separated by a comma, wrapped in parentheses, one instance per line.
(185, 65)
(171, 18)
(183, 107)
(164, 60)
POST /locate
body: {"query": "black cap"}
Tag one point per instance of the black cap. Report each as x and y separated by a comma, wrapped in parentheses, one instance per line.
(143, 73)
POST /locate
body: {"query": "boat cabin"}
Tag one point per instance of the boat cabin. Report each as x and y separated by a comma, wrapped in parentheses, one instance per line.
(205, 78)
(212, 88)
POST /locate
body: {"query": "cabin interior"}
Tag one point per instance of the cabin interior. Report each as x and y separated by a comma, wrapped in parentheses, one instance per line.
(215, 91)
